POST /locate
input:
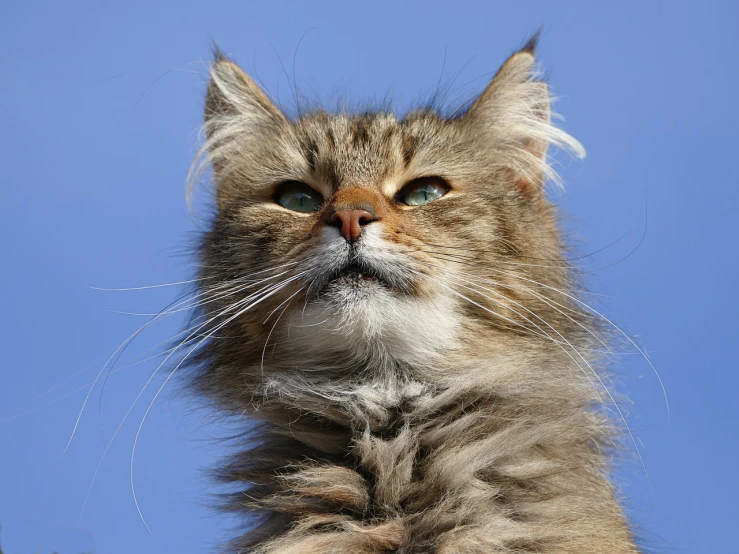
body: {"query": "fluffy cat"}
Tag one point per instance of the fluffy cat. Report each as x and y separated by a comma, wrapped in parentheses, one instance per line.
(389, 303)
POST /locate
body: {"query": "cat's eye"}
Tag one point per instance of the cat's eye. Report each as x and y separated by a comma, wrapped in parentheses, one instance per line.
(298, 197)
(422, 191)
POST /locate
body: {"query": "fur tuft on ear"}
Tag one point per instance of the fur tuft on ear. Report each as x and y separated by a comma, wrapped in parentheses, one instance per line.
(532, 43)
(514, 111)
(217, 53)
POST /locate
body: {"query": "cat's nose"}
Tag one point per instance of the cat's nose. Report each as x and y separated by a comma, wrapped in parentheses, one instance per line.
(351, 222)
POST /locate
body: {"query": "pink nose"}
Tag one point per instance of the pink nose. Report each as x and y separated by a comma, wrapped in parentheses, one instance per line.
(351, 222)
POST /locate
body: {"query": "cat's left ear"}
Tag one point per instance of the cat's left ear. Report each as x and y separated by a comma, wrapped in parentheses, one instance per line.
(514, 112)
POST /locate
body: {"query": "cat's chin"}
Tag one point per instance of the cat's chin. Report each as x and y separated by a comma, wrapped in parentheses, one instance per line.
(366, 319)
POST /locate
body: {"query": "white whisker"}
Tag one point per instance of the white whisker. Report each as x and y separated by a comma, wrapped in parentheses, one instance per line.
(169, 310)
(275, 324)
(146, 287)
(269, 293)
(609, 322)
(592, 370)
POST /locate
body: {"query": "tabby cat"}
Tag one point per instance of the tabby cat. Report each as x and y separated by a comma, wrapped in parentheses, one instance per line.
(387, 303)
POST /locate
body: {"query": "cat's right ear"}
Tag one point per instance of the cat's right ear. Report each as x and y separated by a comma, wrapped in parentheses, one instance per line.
(232, 93)
(240, 122)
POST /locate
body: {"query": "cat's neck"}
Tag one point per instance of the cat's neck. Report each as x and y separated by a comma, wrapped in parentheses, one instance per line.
(399, 465)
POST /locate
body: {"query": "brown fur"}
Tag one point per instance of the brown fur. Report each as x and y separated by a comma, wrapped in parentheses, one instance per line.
(449, 405)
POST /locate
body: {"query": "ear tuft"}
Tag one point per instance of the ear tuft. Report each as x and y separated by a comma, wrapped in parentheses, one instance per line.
(532, 43)
(217, 53)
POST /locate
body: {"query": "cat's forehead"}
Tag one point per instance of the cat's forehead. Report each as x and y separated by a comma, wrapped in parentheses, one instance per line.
(358, 150)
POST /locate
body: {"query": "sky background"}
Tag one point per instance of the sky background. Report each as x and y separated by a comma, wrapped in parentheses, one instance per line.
(100, 105)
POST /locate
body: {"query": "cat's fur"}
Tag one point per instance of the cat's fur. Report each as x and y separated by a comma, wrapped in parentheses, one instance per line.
(453, 405)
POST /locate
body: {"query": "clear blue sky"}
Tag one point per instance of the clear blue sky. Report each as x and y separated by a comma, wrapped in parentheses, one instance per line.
(100, 104)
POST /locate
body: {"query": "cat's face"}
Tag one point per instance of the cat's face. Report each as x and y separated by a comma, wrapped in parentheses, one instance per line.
(372, 237)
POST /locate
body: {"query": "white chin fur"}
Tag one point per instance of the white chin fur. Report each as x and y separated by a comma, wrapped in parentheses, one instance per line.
(374, 324)
(368, 321)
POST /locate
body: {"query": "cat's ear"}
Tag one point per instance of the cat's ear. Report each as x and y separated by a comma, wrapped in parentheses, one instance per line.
(514, 110)
(241, 126)
(232, 93)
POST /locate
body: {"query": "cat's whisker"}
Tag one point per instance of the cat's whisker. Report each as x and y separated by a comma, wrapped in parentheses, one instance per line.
(171, 374)
(474, 264)
(146, 287)
(45, 404)
(100, 372)
(189, 281)
(520, 287)
(266, 342)
(241, 283)
(477, 288)
(133, 362)
(589, 366)
(145, 386)
(604, 318)
(248, 301)
(226, 293)
(589, 308)
(548, 336)
(169, 310)
(477, 304)
(543, 299)
(504, 304)
(550, 263)
(289, 298)
(120, 350)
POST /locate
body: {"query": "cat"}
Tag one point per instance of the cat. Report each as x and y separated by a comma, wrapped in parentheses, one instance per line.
(387, 304)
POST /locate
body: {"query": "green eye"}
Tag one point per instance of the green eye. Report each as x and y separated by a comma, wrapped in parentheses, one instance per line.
(422, 191)
(298, 197)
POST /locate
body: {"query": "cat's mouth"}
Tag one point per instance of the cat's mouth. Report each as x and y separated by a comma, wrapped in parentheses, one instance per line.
(359, 278)
(356, 274)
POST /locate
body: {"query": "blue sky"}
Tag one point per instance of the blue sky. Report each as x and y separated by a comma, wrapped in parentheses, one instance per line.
(100, 104)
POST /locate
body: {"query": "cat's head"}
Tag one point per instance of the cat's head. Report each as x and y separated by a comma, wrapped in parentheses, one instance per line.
(345, 242)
